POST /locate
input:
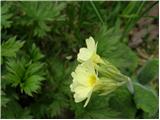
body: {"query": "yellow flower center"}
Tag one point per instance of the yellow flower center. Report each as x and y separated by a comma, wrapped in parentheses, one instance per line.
(92, 80)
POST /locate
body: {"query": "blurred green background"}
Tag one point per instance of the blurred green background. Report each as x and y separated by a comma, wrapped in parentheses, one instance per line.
(39, 46)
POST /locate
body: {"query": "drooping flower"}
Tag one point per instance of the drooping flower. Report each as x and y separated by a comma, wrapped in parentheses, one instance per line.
(89, 53)
(86, 79)
(84, 82)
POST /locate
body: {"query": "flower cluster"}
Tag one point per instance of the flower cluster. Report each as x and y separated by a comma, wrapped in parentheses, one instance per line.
(94, 74)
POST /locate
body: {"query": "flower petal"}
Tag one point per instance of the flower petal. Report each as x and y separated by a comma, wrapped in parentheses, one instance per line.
(91, 44)
(88, 98)
(84, 54)
(81, 93)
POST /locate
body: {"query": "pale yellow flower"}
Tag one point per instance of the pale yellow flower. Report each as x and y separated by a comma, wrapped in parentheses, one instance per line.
(84, 81)
(89, 53)
(85, 78)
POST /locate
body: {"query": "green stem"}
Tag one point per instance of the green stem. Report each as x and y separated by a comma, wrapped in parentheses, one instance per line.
(130, 86)
(97, 12)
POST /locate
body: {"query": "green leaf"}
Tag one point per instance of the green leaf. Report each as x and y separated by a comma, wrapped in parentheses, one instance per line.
(26, 74)
(101, 114)
(32, 84)
(145, 99)
(98, 108)
(4, 99)
(121, 101)
(39, 109)
(149, 71)
(6, 16)
(35, 53)
(97, 12)
(53, 64)
(55, 108)
(131, 8)
(34, 68)
(39, 14)
(58, 104)
(14, 110)
(15, 71)
(11, 47)
(110, 47)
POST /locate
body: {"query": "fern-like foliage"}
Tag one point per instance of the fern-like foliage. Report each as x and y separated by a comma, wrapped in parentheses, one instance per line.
(35, 53)
(5, 16)
(10, 47)
(25, 73)
(4, 99)
(39, 14)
